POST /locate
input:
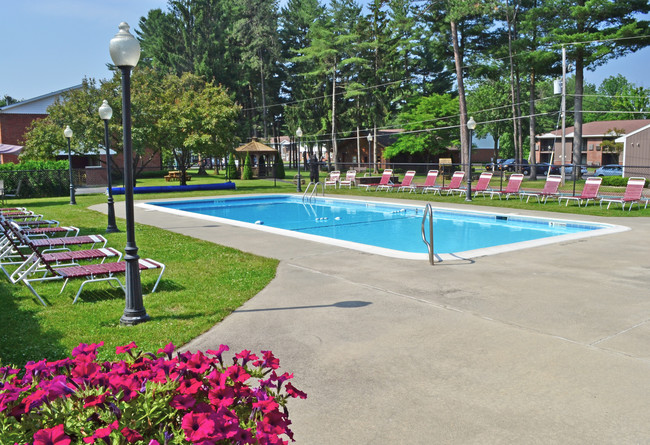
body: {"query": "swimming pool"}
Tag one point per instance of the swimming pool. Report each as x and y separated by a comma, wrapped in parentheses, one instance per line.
(385, 228)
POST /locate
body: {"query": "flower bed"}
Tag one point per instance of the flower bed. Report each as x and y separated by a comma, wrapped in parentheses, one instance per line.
(147, 399)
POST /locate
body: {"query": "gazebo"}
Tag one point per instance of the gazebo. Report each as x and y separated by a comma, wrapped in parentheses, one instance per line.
(262, 157)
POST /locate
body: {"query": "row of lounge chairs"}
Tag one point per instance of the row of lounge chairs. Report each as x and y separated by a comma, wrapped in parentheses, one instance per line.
(633, 191)
(33, 250)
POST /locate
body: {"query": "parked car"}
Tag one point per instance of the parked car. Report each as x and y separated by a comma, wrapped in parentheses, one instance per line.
(568, 170)
(542, 168)
(609, 170)
(489, 166)
(509, 165)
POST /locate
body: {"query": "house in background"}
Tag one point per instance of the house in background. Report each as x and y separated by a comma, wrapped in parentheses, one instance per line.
(636, 152)
(16, 118)
(599, 143)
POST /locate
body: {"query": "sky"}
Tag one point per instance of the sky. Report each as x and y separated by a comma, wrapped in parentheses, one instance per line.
(50, 45)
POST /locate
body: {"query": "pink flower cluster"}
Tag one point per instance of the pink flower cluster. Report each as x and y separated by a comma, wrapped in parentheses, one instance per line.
(147, 399)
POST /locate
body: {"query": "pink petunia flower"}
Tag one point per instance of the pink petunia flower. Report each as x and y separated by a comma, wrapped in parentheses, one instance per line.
(293, 392)
(126, 348)
(168, 350)
(182, 402)
(51, 436)
(131, 436)
(198, 427)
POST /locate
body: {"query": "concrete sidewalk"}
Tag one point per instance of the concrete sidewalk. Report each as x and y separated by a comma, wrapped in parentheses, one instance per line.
(546, 345)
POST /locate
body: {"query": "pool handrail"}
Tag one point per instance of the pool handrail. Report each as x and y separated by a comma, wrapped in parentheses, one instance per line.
(428, 211)
(313, 190)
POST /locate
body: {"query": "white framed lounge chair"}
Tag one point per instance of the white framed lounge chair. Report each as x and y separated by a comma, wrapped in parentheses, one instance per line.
(350, 179)
(333, 179)
(632, 195)
(385, 180)
(514, 184)
(589, 192)
(550, 190)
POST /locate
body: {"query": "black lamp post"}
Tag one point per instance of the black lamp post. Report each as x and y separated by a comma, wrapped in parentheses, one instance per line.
(369, 137)
(68, 135)
(125, 52)
(471, 125)
(105, 113)
(299, 135)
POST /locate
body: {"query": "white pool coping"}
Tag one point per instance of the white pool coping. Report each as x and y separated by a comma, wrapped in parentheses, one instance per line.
(468, 254)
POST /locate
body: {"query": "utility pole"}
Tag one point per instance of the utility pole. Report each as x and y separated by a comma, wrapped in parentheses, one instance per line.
(563, 112)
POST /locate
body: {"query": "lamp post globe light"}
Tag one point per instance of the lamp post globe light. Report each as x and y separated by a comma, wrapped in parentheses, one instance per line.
(68, 135)
(105, 114)
(369, 137)
(471, 125)
(125, 53)
(299, 135)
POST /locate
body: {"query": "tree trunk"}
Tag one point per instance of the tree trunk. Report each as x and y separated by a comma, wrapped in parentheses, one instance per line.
(462, 104)
(513, 98)
(531, 129)
(577, 104)
(264, 130)
(335, 150)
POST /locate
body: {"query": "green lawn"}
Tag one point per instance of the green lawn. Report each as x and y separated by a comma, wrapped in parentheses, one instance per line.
(184, 306)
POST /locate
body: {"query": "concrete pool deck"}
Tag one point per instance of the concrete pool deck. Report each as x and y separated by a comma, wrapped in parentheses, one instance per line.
(545, 345)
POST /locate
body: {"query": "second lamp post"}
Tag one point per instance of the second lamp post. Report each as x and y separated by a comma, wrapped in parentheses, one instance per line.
(68, 135)
(471, 125)
(105, 113)
(299, 135)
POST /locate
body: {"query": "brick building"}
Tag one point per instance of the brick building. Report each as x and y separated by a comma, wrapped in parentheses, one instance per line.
(598, 149)
(16, 118)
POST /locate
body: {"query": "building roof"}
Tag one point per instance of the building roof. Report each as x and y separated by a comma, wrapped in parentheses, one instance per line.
(36, 105)
(6, 149)
(255, 147)
(600, 129)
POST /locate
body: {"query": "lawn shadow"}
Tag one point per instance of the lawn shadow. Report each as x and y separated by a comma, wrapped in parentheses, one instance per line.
(22, 338)
(341, 304)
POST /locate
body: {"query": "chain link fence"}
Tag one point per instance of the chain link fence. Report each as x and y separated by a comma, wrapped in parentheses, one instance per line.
(41, 183)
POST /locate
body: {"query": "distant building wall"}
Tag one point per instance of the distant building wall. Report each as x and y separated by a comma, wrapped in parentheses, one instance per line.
(14, 126)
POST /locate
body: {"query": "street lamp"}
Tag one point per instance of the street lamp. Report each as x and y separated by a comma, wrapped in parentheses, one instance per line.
(125, 52)
(299, 135)
(105, 114)
(68, 134)
(369, 137)
(471, 125)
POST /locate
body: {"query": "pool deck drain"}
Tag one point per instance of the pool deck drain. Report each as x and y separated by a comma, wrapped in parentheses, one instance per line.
(543, 345)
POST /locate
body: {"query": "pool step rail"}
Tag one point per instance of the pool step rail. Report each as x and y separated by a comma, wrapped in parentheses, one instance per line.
(313, 189)
(428, 213)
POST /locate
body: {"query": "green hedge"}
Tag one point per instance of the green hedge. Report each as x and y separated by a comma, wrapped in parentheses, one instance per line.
(617, 181)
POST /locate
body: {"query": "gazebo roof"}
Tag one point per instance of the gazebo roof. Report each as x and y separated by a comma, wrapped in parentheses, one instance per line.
(255, 147)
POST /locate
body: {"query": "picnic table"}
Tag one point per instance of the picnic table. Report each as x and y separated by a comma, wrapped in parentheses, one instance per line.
(175, 175)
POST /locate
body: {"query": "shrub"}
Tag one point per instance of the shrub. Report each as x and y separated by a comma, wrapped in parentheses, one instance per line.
(232, 172)
(147, 399)
(617, 181)
(247, 173)
(279, 168)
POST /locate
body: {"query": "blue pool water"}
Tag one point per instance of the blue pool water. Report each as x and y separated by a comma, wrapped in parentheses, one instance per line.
(396, 227)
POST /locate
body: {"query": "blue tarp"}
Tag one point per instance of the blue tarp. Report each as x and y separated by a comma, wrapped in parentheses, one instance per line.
(177, 188)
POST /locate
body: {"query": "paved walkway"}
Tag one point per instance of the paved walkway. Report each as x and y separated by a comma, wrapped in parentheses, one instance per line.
(547, 345)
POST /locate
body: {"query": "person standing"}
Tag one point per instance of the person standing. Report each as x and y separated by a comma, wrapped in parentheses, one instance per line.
(313, 169)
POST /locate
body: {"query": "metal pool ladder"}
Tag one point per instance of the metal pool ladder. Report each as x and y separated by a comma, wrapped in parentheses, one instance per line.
(428, 212)
(313, 190)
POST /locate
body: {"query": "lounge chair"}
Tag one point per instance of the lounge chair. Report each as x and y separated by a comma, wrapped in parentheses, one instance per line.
(550, 190)
(514, 184)
(90, 273)
(17, 249)
(429, 182)
(350, 178)
(333, 179)
(385, 179)
(454, 184)
(406, 182)
(483, 184)
(589, 192)
(632, 195)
